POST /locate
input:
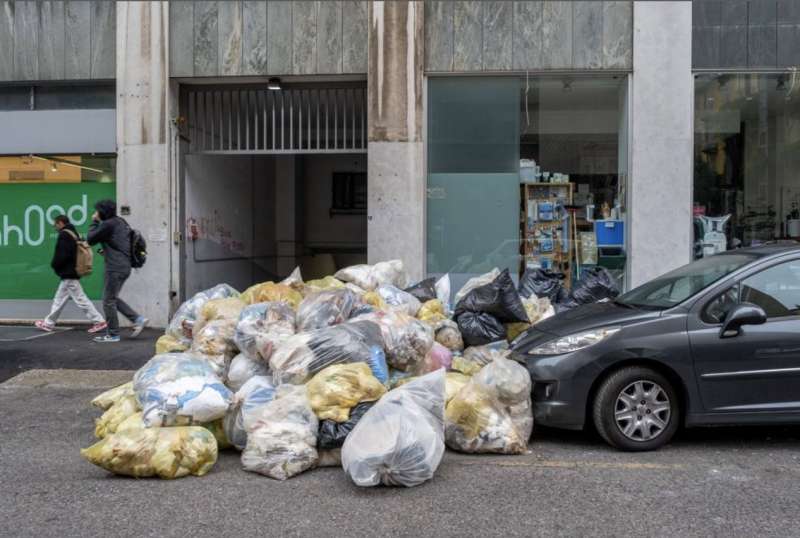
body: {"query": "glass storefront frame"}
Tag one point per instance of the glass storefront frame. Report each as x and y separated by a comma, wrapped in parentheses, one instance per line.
(623, 153)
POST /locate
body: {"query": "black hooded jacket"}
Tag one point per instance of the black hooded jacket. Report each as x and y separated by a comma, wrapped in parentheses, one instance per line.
(66, 254)
(114, 234)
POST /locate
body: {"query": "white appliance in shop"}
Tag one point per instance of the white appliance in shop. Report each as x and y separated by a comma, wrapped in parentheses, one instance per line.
(714, 238)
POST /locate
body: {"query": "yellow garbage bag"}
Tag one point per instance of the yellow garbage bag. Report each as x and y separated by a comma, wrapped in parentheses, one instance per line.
(372, 298)
(453, 382)
(218, 309)
(168, 344)
(164, 452)
(114, 415)
(515, 329)
(321, 284)
(271, 292)
(112, 396)
(136, 422)
(335, 389)
(432, 312)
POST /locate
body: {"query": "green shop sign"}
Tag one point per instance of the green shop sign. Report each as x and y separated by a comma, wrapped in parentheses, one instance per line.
(27, 237)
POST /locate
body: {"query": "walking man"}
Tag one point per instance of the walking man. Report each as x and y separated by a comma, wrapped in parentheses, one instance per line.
(114, 234)
(64, 264)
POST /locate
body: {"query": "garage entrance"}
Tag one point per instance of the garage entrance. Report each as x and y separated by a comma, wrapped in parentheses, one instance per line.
(273, 179)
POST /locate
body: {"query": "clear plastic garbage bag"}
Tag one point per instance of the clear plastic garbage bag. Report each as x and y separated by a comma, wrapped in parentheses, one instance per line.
(369, 277)
(406, 340)
(492, 413)
(325, 308)
(218, 309)
(334, 390)
(294, 280)
(136, 422)
(182, 323)
(108, 398)
(454, 382)
(109, 421)
(437, 357)
(400, 440)
(269, 292)
(322, 284)
(476, 357)
(257, 391)
(282, 440)
(167, 343)
(305, 354)
(262, 327)
(215, 343)
(162, 452)
(243, 368)
(446, 332)
(193, 400)
(169, 367)
(398, 299)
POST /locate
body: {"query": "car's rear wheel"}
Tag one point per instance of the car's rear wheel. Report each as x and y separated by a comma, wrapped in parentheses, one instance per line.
(636, 408)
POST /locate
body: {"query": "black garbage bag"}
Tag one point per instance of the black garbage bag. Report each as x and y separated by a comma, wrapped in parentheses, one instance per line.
(479, 328)
(595, 284)
(498, 298)
(541, 283)
(424, 290)
(332, 434)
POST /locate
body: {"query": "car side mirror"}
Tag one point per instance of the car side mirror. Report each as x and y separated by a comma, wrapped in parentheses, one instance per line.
(739, 315)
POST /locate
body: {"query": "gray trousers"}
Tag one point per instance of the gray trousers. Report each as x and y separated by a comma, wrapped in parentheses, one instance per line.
(112, 303)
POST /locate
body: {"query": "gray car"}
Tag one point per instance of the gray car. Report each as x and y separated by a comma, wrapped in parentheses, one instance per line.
(714, 342)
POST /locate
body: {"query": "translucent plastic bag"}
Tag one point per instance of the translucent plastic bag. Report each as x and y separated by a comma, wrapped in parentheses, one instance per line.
(243, 368)
(169, 367)
(281, 441)
(446, 333)
(406, 340)
(424, 290)
(538, 309)
(215, 343)
(443, 291)
(108, 422)
(167, 343)
(476, 282)
(269, 292)
(454, 382)
(322, 284)
(294, 280)
(325, 308)
(257, 391)
(492, 413)
(162, 452)
(432, 312)
(218, 309)
(476, 357)
(332, 434)
(400, 440)
(111, 396)
(398, 299)
(305, 354)
(181, 325)
(369, 277)
(437, 357)
(136, 422)
(188, 400)
(262, 327)
(373, 299)
(336, 389)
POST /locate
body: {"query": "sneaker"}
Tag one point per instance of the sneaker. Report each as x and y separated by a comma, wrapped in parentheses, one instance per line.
(42, 326)
(106, 339)
(139, 326)
(97, 327)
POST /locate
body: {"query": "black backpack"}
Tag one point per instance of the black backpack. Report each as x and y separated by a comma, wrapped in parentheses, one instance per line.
(138, 252)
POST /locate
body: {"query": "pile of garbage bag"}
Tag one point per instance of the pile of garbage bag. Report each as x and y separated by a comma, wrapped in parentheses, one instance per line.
(357, 370)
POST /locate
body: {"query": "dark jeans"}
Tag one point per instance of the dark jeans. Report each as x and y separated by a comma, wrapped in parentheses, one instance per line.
(112, 303)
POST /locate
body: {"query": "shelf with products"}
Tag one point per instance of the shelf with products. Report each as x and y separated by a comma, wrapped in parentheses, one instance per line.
(545, 227)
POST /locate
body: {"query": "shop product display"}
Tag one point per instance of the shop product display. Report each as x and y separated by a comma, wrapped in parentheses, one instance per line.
(336, 389)
(400, 440)
(282, 437)
(262, 327)
(163, 452)
(492, 412)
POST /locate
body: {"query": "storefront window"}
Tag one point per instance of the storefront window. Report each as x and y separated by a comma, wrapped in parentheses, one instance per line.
(747, 160)
(526, 172)
(34, 189)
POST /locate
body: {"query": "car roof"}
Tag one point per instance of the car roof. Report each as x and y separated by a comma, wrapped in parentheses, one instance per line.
(767, 250)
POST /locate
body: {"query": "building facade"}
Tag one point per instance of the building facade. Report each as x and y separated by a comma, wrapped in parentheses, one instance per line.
(245, 138)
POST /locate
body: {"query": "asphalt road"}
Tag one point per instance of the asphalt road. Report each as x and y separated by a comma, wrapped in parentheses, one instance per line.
(719, 482)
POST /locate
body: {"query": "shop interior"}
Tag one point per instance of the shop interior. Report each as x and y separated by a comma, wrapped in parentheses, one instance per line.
(747, 157)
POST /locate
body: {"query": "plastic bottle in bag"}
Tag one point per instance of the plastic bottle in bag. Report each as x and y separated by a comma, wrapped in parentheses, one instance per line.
(400, 440)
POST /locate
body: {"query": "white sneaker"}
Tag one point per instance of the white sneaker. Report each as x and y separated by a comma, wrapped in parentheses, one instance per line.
(139, 326)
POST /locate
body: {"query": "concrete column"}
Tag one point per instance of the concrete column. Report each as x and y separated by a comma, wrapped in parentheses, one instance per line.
(143, 162)
(395, 171)
(660, 201)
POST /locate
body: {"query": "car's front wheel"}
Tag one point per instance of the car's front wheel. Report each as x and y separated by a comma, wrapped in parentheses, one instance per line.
(636, 409)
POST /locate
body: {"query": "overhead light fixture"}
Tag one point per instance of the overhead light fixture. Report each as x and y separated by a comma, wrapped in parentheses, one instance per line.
(54, 160)
(53, 166)
(274, 84)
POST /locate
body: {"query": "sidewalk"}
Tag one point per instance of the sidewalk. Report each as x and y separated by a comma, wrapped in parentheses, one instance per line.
(25, 348)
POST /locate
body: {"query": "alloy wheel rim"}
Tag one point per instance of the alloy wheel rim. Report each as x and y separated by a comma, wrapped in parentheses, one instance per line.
(642, 411)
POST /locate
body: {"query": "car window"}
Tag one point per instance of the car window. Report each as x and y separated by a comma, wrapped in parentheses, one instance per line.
(776, 290)
(718, 308)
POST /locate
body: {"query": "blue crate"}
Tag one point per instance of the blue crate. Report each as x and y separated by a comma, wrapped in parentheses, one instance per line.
(610, 233)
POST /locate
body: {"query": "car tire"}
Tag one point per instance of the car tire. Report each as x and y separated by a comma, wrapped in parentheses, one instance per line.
(636, 409)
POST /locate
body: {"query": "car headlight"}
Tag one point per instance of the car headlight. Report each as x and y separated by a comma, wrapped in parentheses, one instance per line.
(573, 342)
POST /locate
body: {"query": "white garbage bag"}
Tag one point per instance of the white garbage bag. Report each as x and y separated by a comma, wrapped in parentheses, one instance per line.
(400, 440)
(242, 369)
(257, 391)
(369, 277)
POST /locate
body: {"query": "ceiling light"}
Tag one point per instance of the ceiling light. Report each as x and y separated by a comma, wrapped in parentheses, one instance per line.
(274, 84)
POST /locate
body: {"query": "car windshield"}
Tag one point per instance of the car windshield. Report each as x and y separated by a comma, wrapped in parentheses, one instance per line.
(684, 282)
